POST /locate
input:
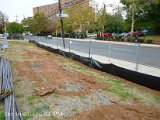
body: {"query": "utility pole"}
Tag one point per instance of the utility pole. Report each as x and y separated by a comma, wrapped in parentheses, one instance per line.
(62, 27)
(16, 18)
(5, 22)
(24, 17)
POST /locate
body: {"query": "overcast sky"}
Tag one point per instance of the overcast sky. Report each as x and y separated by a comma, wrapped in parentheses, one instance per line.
(23, 8)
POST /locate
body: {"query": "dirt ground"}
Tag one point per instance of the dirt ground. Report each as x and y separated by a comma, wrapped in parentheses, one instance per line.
(52, 75)
(119, 112)
(45, 80)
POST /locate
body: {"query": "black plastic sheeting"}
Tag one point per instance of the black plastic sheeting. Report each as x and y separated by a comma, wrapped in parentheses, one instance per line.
(149, 81)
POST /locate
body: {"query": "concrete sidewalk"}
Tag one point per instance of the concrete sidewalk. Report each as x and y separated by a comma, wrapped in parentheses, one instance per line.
(121, 63)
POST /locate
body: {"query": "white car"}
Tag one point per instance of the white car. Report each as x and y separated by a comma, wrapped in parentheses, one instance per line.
(49, 37)
(124, 35)
(92, 36)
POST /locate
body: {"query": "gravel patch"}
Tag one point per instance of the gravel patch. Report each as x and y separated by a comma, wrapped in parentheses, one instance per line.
(72, 87)
(68, 106)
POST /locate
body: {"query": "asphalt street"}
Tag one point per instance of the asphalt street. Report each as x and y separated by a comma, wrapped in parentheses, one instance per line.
(149, 56)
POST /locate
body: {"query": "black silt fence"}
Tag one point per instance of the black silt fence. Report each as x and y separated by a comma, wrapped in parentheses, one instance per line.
(149, 81)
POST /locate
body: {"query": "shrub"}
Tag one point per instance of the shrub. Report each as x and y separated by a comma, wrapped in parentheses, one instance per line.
(131, 39)
(122, 39)
(149, 41)
(141, 40)
(116, 38)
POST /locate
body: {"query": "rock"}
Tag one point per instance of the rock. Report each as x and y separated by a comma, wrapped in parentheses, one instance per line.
(45, 90)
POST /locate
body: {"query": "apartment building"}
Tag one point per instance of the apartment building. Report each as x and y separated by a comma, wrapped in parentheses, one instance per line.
(49, 10)
(52, 9)
(77, 3)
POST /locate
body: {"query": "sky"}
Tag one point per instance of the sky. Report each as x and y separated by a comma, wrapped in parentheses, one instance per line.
(23, 8)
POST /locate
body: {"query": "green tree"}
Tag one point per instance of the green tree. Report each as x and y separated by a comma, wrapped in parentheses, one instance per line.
(132, 7)
(103, 19)
(28, 23)
(80, 19)
(14, 28)
(39, 24)
(136, 10)
(151, 17)
(116, 25)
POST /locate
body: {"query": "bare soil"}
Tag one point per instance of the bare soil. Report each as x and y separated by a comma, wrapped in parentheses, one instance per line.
(52, 75)
(63, 88)
(119, 112)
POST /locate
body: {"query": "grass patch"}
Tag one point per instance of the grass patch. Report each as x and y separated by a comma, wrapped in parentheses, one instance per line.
(116, 86)
(38, 111)
(153, 37)
(20, 95)
(31, 99)
(2, 116)
(74, 109)
(17, 80)
(78, 67)
(157, 98)
(82, 97)
(56, 95)
(20, 43)
(121, 92)
(42, 107)
(52, 117)
(109, 80)
(27, 116)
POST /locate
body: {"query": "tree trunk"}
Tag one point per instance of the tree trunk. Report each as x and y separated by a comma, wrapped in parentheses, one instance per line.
(132, 27)
(133, 21)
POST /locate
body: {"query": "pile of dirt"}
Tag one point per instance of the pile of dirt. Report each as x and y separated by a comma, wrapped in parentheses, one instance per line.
(119, 112)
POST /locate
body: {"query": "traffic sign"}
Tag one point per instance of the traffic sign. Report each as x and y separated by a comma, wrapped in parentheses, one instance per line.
(62, 15)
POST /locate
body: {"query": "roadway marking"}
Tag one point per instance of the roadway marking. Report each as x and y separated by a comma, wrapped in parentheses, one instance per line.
(122, 49)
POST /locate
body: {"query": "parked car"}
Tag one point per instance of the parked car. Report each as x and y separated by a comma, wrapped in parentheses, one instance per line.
(136, 33)
(49, 37)
(145, 32)
(123, 34)
(104, 35)
(92, 36)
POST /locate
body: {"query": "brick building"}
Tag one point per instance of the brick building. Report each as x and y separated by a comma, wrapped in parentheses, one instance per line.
(52, 9)
(49, 10)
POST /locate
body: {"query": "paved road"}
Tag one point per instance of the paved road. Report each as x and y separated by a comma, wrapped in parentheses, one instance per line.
(147, 55)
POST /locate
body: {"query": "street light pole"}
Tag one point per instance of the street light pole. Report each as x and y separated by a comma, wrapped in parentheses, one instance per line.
(62, 27)
(5, 28)
(5, 22)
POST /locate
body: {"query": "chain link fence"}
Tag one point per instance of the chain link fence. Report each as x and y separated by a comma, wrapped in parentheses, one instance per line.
(132, 56)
